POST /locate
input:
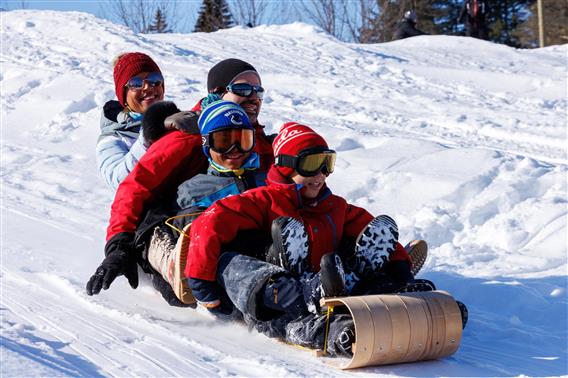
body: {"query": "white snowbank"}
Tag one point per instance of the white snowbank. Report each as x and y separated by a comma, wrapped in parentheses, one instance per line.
(462, 141)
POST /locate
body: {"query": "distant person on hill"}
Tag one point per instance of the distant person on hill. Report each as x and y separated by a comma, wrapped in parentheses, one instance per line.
(474, 12)
(407, 26)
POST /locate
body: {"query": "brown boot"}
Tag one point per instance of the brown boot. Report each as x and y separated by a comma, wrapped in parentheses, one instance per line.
(180, 285)
(169, 259)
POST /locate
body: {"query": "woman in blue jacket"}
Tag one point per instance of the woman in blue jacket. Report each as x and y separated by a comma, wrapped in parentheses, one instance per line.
(138, 84)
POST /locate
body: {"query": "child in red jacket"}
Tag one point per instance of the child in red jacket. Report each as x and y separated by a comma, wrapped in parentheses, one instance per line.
(307, 223)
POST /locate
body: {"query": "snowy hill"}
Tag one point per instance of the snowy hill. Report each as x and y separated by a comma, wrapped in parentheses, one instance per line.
(462, 141)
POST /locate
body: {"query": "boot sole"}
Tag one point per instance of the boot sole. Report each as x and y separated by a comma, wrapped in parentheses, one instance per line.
(377, 241)
(289, 229)
(418, 252)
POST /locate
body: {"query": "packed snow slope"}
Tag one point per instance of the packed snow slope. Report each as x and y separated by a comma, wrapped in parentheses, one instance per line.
(462, 141)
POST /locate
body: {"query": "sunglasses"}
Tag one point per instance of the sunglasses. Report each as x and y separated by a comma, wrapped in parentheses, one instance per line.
(155, 79)
(246, 90)
(309, 163)
(224, 141)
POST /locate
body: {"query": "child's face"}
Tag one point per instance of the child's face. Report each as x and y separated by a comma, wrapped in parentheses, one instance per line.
(232, 160)
(312, 184)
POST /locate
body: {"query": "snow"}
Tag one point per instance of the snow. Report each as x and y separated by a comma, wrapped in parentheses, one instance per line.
(462, 141)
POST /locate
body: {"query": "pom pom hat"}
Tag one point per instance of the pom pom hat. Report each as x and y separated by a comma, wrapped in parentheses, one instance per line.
(294, 138)
(225, 72)
(126, 67)
(221, 115)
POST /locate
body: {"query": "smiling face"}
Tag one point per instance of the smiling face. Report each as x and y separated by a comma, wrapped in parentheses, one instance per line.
(140, 100)
(312, 184)
(251, 104)
(232, 160)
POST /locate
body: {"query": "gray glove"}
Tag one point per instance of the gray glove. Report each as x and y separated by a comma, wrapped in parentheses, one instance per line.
(183, 121)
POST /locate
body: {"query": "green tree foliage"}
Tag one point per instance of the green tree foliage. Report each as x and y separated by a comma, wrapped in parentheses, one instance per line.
(506, 20)
(213, 15)
(555, 19)
(159, 25)
(503, 17)
(434, 17)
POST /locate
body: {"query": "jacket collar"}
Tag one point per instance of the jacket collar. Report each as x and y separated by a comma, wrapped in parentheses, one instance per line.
(294, 191)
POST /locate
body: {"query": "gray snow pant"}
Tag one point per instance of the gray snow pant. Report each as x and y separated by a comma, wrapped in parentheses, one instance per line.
(273, 302)
(259, 289)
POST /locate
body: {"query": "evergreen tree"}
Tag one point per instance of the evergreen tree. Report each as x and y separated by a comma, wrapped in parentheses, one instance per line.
(503, 17)
(159, 25)
(213, 15)
(445, 15)
(555, 16)
(434, 17)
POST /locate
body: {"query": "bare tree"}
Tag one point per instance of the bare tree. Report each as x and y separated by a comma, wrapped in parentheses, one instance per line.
(358, 17)
(249, 12)
(347, 20)
(324, 14)
(139, 14)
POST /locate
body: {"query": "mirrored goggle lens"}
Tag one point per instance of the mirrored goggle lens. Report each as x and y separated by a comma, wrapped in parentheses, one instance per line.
(246, 90)
(155, 79)
(224, 140)
(312, 164)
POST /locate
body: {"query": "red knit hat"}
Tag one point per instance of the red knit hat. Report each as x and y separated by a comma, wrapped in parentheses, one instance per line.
(126, 67)
(294, 138)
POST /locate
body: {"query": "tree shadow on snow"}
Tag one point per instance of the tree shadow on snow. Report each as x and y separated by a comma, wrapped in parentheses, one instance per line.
(52, 358)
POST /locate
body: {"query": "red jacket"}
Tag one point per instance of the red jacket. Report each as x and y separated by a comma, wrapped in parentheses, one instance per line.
(172, 159)
(326, 222)
(168, 162)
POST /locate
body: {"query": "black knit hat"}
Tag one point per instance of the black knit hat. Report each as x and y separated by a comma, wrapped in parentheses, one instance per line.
(224, 72)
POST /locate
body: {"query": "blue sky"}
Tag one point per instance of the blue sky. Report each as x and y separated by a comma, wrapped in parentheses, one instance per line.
(81, 6)
(189, 7)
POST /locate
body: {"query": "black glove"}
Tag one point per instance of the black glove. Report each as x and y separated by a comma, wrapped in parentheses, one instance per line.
(120, 259)
(153, 121)
(183, 121)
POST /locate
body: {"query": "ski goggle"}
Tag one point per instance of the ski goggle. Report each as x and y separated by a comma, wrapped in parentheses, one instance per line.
(155, 79)
(246, 90)
(309, 163)
(224, 141)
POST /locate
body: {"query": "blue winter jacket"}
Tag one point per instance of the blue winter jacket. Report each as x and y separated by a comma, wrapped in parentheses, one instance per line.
(120, 145)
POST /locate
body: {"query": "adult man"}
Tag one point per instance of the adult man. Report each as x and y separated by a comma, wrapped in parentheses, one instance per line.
(171, 160)
(238, 81)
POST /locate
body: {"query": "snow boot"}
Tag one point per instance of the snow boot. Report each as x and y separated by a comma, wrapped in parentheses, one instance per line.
(310, 331)
(169, 260)
(341, 336)
(289, 248)
(375, 244)
(328, 282)
(464, 313)
(418, 252)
